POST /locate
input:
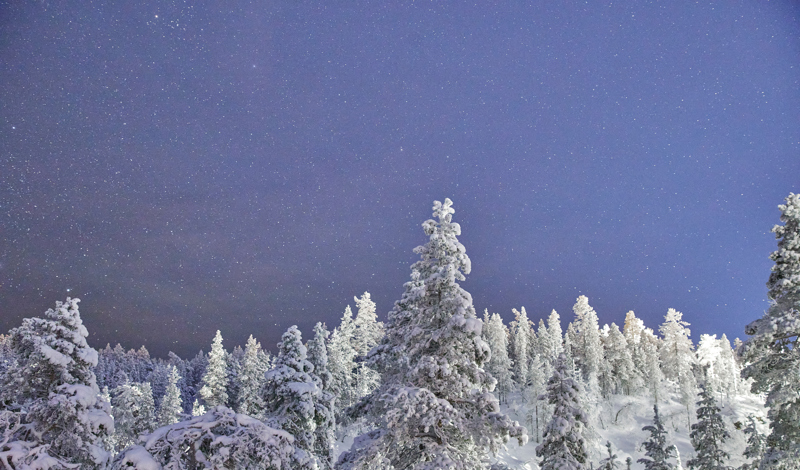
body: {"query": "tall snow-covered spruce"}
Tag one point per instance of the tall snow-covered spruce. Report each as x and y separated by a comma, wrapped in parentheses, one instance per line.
(61, 419)
(215, 380)
(434, 408)
(563, 446)
(771, 353)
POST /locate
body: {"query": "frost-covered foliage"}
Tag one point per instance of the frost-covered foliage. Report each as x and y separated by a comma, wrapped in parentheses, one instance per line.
(324, 417)
(756, 445)
(341, 363)
(771, 353)
(520, 332)
(251, 378)
(434, 408)
(215, 381)
(219, 439)
(610, 462)
(499, 364)
(290, 393)
(553, 342)
(198, 409)
(620, 374)
(563, 446)
(171, 408)
(368, 331)
(587, 349)
(52, 390)
(657, 452)
(134, 413)
(677, 355)
(708, 435)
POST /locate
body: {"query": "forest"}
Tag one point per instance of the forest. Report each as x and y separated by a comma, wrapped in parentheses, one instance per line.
(437, 386)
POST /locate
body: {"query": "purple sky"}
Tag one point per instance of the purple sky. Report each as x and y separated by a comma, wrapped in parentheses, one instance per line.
(246, 166)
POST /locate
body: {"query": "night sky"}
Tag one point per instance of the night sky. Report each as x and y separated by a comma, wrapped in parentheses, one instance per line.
(184, 167)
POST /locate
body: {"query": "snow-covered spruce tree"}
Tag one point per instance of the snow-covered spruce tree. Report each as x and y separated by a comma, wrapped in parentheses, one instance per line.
(587, 347)
(324, 417)
(52, 379)
(434, 408)
(771, 353)
(756, 445)
(624, 377)
(198, 409)
(134, 413)
(251, 379)
(657, 452)
(171, 408)
(233, 369)
(677, 356)
(290, 393)
(554, 334)
(708, 354)
(499, 365)
(520, 331)
(728, 369)
(341, 364)
(538, 411)
(649, 346)
(563, 446)
(708, 435)
(368, 331)
(215, 380)
(219, 439)
(610, 462)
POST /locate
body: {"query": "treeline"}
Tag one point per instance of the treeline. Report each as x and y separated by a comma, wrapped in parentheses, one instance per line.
(420, 391)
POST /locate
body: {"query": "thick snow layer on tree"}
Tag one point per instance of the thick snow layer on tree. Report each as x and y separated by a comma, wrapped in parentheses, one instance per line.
(218, 439)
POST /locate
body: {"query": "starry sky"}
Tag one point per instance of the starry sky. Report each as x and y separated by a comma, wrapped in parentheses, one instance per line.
(184, 167)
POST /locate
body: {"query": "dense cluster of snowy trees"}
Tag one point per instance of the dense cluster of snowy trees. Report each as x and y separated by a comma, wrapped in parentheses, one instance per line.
(423, 391)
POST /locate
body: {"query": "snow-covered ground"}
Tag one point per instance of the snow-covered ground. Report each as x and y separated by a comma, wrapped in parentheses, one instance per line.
(620, 420)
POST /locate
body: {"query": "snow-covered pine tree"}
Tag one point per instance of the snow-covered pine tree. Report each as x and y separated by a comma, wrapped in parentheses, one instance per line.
(677, 356)
(589, 356)
(52, 378)
(625, 378)
(563, 446)
(538, 410)
(610, 462)
(290, 393)
(520, 331)
(771, 353)
(251, 379)
(499, 365)
(657, 452)
(134, 413)
(756, 445)
(708, 435)
(215, 380)
(341, 364)
(709, 353)
(434, 408)
(198, 409)
(649, 346)
(325, 418)
(728, 370)
(170, 409)
(554, 333)
(367, 329)
(233, 362)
